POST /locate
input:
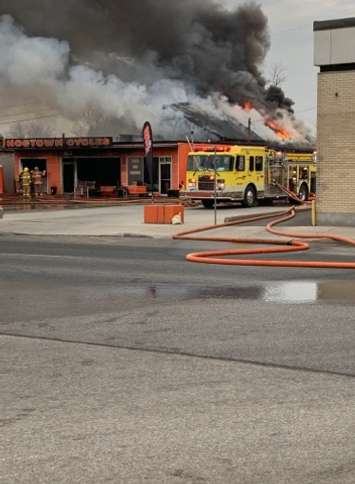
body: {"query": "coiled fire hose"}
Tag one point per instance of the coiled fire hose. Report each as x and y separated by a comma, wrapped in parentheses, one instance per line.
(296, 243)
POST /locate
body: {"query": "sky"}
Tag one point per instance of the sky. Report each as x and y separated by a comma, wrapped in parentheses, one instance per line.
(291, 29)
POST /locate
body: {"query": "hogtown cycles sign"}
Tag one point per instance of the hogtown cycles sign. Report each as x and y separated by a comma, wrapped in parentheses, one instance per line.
(53, 143)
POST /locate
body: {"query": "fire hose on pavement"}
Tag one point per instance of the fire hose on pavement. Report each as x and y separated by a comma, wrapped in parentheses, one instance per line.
(296, 243)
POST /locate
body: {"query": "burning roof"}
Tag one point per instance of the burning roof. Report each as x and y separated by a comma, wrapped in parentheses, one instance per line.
(206, 125)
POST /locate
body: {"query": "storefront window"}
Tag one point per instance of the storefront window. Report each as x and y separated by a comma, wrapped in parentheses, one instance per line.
(136, 171)
(31, 163)
(165, 174)
(103, 171)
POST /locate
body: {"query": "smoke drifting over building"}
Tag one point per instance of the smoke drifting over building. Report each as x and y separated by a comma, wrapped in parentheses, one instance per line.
(122, 62)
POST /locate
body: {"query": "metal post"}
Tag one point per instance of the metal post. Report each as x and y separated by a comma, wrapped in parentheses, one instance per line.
(314, 213)
(215, 187)
(249, 129)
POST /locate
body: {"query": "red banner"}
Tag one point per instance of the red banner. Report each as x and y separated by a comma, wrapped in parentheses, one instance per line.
(148, 152)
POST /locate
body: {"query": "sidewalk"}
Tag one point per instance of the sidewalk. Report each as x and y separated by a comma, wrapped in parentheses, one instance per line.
(127, 221)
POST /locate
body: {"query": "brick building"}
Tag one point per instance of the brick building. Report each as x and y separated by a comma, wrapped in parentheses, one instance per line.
(335, 55)
(70, 162)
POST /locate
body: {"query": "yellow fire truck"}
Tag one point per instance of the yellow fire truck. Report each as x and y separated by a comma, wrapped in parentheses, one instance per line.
(247, 174)
(302, 173)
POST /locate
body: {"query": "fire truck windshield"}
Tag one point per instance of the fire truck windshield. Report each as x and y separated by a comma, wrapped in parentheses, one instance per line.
(210, 162)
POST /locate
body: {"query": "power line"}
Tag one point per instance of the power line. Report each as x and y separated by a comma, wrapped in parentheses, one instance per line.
(29, 119)
(10, 117)
(16, 106)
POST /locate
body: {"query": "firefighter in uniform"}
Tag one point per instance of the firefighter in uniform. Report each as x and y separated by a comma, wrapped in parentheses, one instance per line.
(37, 179)
(26, 179)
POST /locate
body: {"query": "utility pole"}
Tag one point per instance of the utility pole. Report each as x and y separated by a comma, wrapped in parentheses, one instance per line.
(215, 182)
(215, 185)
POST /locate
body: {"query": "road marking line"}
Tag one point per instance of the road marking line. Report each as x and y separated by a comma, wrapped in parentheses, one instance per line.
(51, 256)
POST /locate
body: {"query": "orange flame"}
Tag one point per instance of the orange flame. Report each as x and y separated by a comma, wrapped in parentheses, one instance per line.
(282, 133)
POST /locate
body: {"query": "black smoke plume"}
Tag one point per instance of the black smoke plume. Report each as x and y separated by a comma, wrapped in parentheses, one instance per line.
(198, 41)
(149, 53)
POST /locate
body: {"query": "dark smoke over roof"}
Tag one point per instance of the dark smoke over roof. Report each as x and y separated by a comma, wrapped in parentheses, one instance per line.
(213, 127)
(108, 65)
(197, 41)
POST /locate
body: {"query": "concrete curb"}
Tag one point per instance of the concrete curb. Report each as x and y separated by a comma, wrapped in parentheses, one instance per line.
(92, 236)
(133, 235)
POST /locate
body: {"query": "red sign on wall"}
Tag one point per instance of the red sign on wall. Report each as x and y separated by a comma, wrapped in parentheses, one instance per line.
(55, 143)
(148, 138)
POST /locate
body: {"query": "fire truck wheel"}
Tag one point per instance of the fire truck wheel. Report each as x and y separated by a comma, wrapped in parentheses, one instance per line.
(249, 197)
(303, 193)
(208, 203)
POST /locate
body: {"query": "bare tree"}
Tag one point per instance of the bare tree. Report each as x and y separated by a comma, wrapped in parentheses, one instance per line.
(32, 129)
(278, 75)
(94, 123)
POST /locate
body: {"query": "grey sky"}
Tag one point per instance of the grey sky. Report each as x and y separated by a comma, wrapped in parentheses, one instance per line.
(291, 28)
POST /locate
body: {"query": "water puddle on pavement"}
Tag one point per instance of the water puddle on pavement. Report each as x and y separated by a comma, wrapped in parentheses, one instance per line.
(295, 292)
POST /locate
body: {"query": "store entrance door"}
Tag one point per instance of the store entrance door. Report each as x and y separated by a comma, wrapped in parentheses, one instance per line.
(41, 163)
(69, 176)
(164, 176)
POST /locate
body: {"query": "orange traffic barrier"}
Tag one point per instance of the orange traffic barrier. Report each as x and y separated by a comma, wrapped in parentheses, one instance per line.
(153, 214)
(283, 246)
(163, 214)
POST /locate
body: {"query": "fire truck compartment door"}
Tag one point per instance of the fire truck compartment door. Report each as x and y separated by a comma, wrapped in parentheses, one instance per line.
(240, 180)
(260, 177)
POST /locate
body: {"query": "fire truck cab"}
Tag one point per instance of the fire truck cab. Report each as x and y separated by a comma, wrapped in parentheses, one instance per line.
(235, 174)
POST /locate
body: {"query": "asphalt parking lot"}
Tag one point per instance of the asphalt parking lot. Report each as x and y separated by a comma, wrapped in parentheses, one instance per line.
(121, 362)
